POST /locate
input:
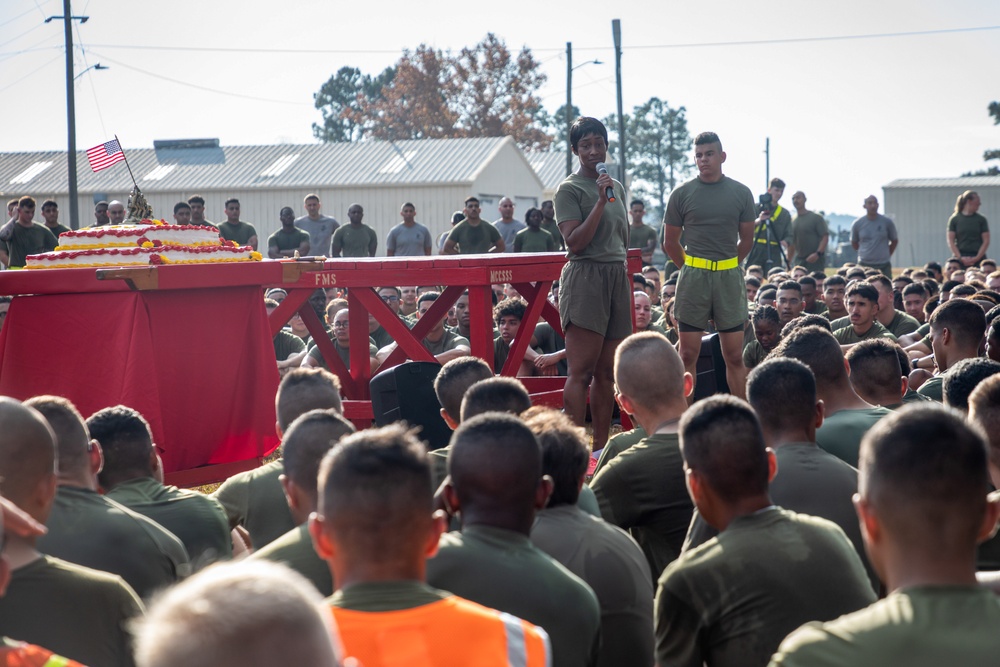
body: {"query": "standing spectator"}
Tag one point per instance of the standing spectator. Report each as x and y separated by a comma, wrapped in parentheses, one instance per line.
(234, 229)
(116, 212)
(355, 239)
(641, 235)
(968, 231)
(320, 227)
(101, 214)
(197, 204)
(533, 238)
(810, 236)
(27, 237)
(874, 237)
(50, 211)
(549, 223)
(289, 239)
(456, 217)
(507, 225)
(472, 236)
(408, 238)
(182, 213)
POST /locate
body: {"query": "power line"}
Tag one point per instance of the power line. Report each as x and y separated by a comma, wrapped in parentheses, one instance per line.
(90, 78)
(196, 86)
(22, 78)
(683, 45)
(11, 20)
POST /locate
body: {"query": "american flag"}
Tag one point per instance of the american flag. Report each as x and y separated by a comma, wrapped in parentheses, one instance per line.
(105, 155)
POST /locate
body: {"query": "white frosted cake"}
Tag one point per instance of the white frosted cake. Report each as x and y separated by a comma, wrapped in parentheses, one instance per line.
(151, 242)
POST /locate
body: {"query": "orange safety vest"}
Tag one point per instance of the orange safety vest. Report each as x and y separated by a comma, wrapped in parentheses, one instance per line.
(18, 654)
(453, 632)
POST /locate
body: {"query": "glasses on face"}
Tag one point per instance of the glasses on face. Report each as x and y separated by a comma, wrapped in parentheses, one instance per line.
(390, 299)
(340, 325)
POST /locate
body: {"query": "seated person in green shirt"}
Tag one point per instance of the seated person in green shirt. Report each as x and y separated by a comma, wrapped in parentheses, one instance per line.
(957, 329)
(303, 447)
(876, 373)
(254, 499)
(508, 315)
(965, 376)
(289, 239)
(131, 476)
(644, 314)
(445, 345)
(863, 308)
(341, 343)
(923, 508)
(533, 238)
(766, 331)
(288, 348)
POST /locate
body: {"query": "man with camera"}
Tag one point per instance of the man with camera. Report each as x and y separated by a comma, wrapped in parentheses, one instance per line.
(772, 231)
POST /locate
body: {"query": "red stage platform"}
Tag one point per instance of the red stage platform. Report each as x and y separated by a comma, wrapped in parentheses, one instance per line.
(189, 346)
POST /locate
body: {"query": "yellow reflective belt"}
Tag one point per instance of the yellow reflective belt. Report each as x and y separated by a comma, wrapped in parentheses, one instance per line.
(712, 265)
(56, 661)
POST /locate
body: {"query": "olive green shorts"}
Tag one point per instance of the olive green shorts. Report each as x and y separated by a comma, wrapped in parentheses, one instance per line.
(597, 297)
(703, 295)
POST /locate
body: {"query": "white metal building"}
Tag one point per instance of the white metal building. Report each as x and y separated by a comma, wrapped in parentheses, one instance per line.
(921, 207)
(436, 175)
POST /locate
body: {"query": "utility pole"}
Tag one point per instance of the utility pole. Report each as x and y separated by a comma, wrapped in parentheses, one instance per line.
(74, 205)
(569, 106)
(767, 162)
(616, 29)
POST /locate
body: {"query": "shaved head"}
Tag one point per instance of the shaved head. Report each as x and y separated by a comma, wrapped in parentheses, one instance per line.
(305, 389)
(495, 394)
(27, 450)
(495, 464)
(634, 358)
(72, 437)
(307, 441)
(455, 378)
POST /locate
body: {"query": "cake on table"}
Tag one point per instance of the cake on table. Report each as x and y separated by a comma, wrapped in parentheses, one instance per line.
(144, 242)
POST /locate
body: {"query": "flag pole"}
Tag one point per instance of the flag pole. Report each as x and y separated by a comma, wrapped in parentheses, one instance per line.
(126, 163)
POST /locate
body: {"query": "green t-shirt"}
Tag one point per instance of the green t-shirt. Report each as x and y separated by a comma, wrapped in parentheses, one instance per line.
(283, 240)
(552, 228)
(198, 520)
(449, 341)
(842, 431)
(902, 324)
(922, 626)
(710, 215)
(502, 570)
(74, 611)
(286, 344)
(753, 354)
(93, 531)
(58, 229)
(26, 241)
(343, 352)
(617, 444)
(255, 500)
(642, 237)
(575, 200)
(355, 240)
(808, 231)
(530, 239)
(969, 230)
(380, 337)
(642, 490)
(241, 232)
(933, 388)
(847, 335)
(474, 239)
(732, 600)
(295, 549)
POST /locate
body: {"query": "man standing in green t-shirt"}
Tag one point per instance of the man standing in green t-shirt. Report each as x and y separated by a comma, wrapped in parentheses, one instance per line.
(549, 223)
(716, 215)
(533, 238)
(234, 229)
(289, 239)
(923, 508)
(810, 236)
(355, 239)
(24, 237)
(641, 235)
(472, 236)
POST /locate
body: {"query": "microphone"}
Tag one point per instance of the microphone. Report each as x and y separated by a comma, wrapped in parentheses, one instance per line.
(609, 192)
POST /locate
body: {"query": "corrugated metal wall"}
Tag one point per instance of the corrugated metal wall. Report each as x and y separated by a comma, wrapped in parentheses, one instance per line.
(921, 216)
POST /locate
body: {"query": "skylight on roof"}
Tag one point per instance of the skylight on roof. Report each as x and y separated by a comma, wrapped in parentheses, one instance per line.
(396, 164)
(159, 172)
(30, 172)
(279, 166)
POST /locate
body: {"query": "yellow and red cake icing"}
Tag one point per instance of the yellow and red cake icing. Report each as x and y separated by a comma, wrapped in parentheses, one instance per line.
(149, 243)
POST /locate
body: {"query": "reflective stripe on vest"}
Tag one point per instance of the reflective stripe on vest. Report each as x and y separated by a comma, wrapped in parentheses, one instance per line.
(56, 661)
(517, 652)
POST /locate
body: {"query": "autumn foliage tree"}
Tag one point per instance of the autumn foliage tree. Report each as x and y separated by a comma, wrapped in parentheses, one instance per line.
(340, 99)
(483, 91)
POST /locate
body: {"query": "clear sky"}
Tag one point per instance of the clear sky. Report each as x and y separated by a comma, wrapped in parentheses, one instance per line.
(844, 116)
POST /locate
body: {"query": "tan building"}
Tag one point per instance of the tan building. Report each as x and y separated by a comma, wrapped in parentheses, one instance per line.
(436, 175)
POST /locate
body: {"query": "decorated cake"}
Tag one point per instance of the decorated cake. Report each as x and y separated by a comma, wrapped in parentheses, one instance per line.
(149, 242)
(141, 242)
